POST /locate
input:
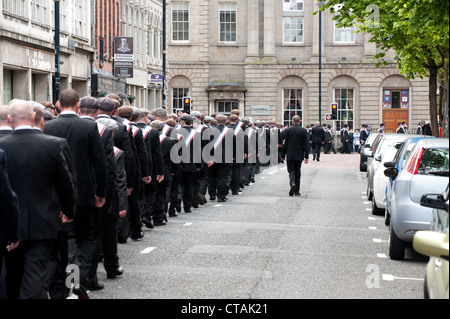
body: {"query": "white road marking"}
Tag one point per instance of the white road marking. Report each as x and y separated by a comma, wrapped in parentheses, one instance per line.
(372, 227)
(371, 218)
(367, 203)
(187, 224)
(368, 209)
(147, 250)
(218, 205)
(388, 277)
(379, 255)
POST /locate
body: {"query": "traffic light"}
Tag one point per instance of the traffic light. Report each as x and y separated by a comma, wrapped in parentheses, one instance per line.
(187, 105)
(334, 108)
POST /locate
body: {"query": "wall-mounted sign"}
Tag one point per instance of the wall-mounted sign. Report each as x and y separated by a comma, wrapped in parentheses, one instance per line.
(260, 110)
(123, 57)
(156, 78)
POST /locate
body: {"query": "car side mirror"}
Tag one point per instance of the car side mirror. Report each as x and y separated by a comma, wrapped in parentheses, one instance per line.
(391, 172)
(389, 164)
(431, 243)
(434, 201)
(368, 152)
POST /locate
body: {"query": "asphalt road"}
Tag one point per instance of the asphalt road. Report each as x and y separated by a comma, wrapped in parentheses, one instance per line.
(264, 244)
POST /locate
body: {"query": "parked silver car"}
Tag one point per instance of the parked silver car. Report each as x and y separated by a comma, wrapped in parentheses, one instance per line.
(363, 156)
(426, 171)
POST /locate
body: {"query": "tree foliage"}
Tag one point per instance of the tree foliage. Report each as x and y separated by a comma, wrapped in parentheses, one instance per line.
(416, 30)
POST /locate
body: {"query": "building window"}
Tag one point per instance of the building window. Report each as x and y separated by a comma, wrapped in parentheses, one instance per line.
(293, 5)
(225, 107)
(16, 7)
(79, 25)
(346, 108)
(180, 21)
(293, 30)
(177, 97)
(292, 105)
(62, 16)
(39, 11)
(344, 35)
(227, 17)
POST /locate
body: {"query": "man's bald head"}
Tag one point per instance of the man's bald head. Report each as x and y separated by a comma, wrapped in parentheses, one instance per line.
(21, 113)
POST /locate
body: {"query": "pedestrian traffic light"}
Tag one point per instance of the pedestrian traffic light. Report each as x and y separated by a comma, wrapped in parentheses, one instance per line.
(334, 108)
(187, 105)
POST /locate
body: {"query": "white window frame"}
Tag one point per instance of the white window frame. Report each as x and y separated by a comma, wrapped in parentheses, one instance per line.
(287, 5)
(294, 30)
(289, 121)
(79, 23)
(181, 6)
(228, 8)
(339, 121)
(39, 11)
(344, 31)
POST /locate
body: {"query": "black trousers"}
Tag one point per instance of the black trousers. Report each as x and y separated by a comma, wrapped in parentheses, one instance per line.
(187, 183)
(294, 169)
(316, 147)
(56, 283)
(235, 177)
(160, 206)
(149, 197)
(109, 246)
(173, 198)
(81, 241)
(220, 172)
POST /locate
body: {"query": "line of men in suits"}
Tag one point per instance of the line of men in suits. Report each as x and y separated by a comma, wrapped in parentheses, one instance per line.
(91, 177)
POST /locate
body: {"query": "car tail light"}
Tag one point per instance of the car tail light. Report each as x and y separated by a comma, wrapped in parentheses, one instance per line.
(413, 166)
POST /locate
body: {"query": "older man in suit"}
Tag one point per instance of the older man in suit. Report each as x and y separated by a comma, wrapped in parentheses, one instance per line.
(9, 218)
(5, 127)
(296, 148)
(89, 160)
(44, 167)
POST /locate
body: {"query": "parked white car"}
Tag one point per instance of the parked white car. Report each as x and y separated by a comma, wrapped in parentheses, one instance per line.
(426, 172)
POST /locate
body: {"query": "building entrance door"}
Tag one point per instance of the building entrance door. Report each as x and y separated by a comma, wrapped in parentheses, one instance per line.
(395, 108)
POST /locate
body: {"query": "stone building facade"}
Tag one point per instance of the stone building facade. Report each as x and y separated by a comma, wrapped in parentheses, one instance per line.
(27, 52)
(262, 57)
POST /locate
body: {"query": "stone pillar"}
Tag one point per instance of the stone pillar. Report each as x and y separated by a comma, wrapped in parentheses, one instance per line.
(252, 31)
(269, 31)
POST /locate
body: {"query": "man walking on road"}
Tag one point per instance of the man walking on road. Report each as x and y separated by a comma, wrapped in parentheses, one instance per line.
(317, 140)
(296, 147)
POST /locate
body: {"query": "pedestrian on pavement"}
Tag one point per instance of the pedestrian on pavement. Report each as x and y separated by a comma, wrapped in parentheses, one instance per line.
(89, 160)
(356, 140)
(381, 129)
(317, 140)
(44, 171)
(295, 150)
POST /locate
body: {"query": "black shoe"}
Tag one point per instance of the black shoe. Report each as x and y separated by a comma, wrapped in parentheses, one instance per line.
(234, 193)
(178, 207)
(212, 198)
(160, 223)
(81, 292)
(298, 194)
(122, 241)
(252, 180)
(148, 223)
(221, 200)
(204, 198)
(200, 199)
(138, 237)
(318, 160)
(97, 286)
(115, 273)
(173, 215)
(292, 190)
(241, 185)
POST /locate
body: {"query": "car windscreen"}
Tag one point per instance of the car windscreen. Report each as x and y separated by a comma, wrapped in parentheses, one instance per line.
(434, 162)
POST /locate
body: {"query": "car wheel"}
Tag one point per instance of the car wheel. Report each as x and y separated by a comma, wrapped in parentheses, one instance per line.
(396, 245)
(369, 193)
(426, 294)
(375, 209)
(387, 217)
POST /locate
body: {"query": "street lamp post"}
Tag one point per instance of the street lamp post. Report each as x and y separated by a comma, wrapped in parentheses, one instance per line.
(320, 4)
(57, 53)
(164, 53)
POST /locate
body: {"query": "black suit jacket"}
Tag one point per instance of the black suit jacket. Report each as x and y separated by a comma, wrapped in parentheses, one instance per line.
(44, 167)
(9, 206)
(151, 138)
(87, 152)
(295, 147)
(317, 135)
